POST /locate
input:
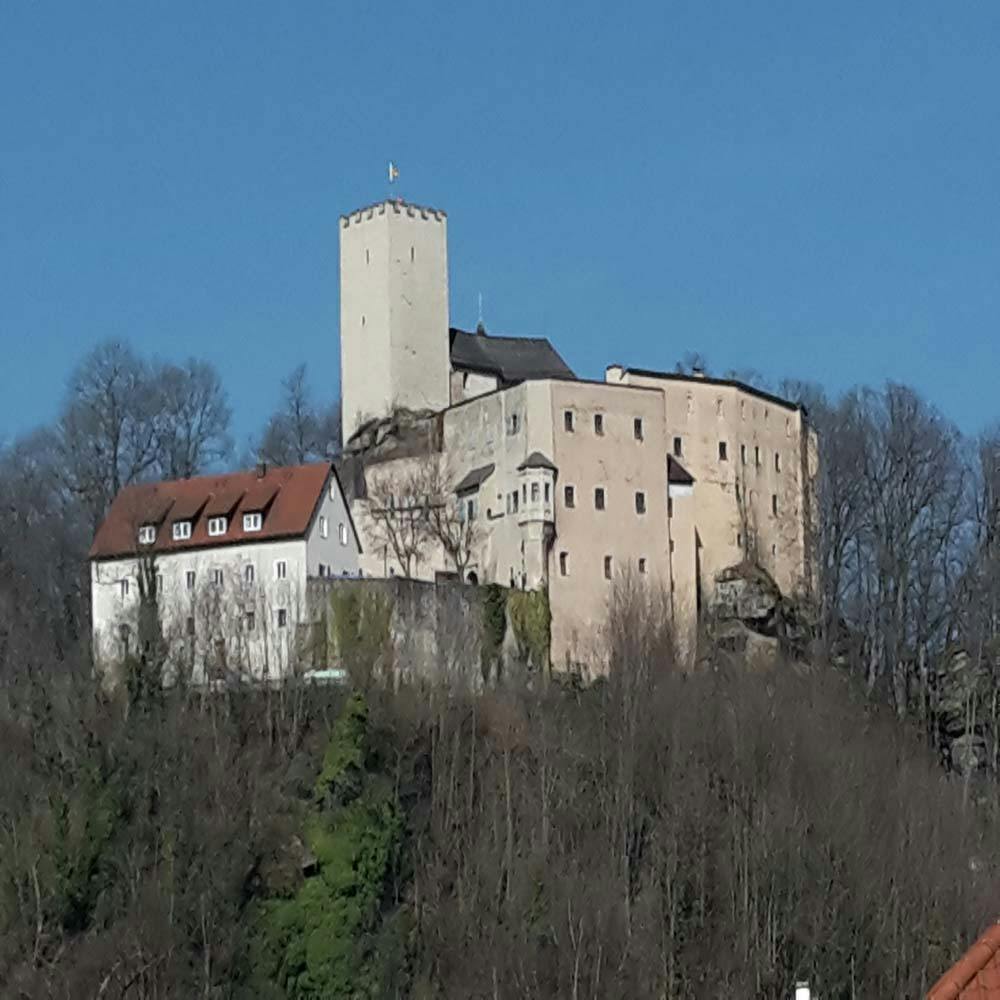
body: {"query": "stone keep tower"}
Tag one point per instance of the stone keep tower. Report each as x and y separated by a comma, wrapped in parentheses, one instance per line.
(393, 311)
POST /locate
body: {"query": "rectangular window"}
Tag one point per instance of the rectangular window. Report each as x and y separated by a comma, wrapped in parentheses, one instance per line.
(252, 522)
(249, 573)
(677, 447)
(774, 504)
(777, 461)
(159, 583)
(640, 503)
(642, 564)
(737, 492)
(723, 451)
(534, 492)
(322, 569)
(743, 454)
(123, 587)
(190, 626)
(342, 532)
(514, 501)
(598, 423)
(524, 492)
(282, 617)
(147, 534)
(599, 498)
(672, 546)
(569, 496)
(513, 424)
(280, 570)
(670, 506)
(182, 530)
(189, 579)
(564, 564)
(217, 577)
(756, 456)
(250, 621)
(548, 492)
(739, 539)
(324, 528)
(470, 510)
(637, 428)
(607, 567)
(216, 526)
(568, 420)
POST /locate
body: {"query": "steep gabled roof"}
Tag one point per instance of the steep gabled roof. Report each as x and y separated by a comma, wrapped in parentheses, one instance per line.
(976, 976)
(474, 479)
(511, 359)
(677, 474)
(536, 460)
(293, 494)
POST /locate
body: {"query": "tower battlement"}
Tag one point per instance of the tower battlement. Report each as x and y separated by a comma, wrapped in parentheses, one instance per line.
(395, 206)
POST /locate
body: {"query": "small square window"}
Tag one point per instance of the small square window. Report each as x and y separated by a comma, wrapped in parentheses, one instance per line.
(147, 534)
(189, 579)
(640, 503)
(598, 423)
(642, 565)
(569, 496)
(678, 447)
(599, 498)
(568, 420)
(723, 451)
(249, 573)
(282, 617)
(637, 428)
(564, 564)
(607, 567)
(182, 530)
(280, 570)
(252, 522)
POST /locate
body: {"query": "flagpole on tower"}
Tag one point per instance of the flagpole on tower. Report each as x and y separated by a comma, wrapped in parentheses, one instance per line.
(393, 177)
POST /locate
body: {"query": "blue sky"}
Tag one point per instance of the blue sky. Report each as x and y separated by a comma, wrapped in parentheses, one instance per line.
(804, 189)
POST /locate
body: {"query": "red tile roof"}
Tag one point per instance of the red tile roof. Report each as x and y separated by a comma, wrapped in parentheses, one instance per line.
(976, 976)
(287, 496)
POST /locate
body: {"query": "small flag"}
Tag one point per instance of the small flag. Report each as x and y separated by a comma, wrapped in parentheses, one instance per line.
(393, 171)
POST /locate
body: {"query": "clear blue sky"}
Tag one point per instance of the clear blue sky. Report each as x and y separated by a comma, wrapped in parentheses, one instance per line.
(805, 189)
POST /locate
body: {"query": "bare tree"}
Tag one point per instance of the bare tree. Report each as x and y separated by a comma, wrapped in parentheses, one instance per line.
(192, 426)
(108, 429)
(398, 509)
(452, 522)
(300, 431)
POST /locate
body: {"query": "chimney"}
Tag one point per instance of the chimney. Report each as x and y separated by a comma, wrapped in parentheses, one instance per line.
(261, 468)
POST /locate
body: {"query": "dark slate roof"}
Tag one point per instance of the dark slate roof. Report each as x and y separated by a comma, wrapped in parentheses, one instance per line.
(676, 473)
(536, 460)
(475, 479)
(512, 359)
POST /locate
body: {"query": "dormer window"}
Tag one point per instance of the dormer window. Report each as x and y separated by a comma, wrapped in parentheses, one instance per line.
(217, 526)
(147, 534)
(252, 522)
(182, 530)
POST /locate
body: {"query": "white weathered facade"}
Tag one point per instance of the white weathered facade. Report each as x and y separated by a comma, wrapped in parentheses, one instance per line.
(224, 604)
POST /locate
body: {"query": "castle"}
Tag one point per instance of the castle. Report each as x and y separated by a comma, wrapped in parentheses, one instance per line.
(557, 482)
